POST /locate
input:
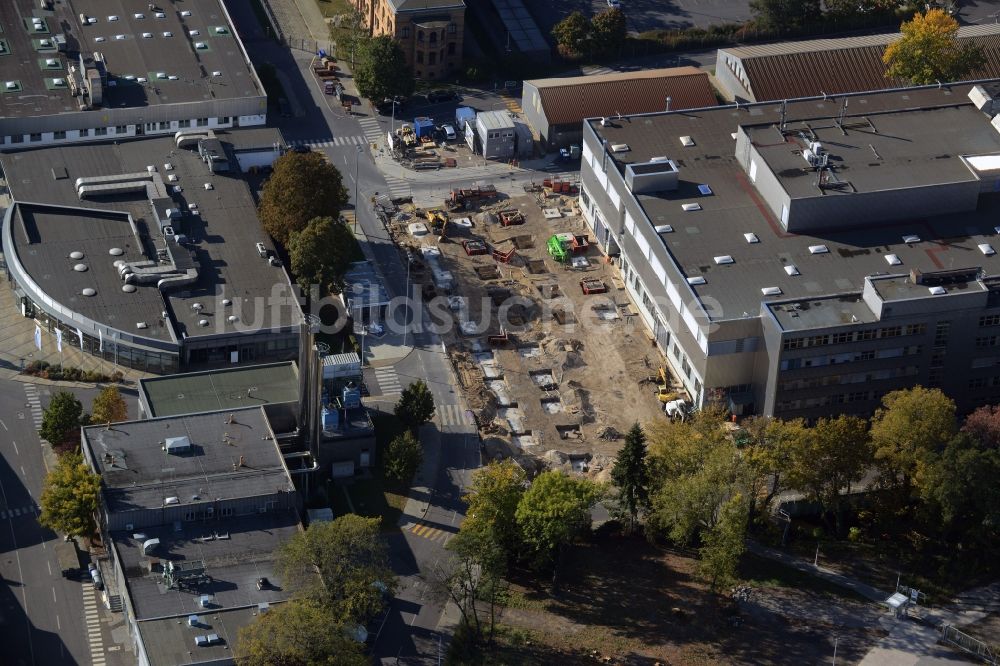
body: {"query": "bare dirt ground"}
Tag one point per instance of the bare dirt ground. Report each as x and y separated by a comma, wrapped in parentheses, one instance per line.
(625, 601)
(568, 379)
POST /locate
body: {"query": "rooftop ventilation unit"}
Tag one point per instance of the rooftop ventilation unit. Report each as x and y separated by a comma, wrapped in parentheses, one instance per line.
(172, 500)
(818, 249)
(751, 238)
(705, 190)
(112, 18)
(209, 186)
(141, 325)
(201, 641)
(159, 15)
(689, 207)
(792, 270)
(192, 620)
(987, 249)
(893, 260)
(983, 100)
(697, 279)
(910, 239)
(177, 444)
(620, 148)
(167, 33)
(664, 229)
(205, 600)
(185, 13)
(194, 33)
(216, 73)
(148, 545)
(687, 141)
(147, 35)
(139, 16)
(937, 291)
(771, 291)
(723, 259)
(652, 176)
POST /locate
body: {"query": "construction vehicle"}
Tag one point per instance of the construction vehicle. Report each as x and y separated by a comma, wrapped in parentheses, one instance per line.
(69, 559)
(437, 218)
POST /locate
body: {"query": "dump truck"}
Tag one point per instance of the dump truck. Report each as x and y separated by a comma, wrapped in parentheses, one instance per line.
(69, 559)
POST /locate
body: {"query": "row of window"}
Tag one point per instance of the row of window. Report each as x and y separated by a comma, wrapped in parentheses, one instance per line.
(850, 357)
(983, 382)
(854, 336)
(118, 130)
(821, 401)
(987, 341)
(990, 320)
(432, 56)
(852, 378)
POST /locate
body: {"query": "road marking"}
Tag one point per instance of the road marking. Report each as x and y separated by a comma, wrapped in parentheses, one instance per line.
(14, 443)
(49, 565)
(388, 381)
(4, 425)
(54, 596)
(58, 623)
(425, 531)
(23, 473)
(20, 573)
(453, 415)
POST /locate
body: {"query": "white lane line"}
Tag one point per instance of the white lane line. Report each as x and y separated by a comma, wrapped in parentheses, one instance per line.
(54, 596)
(49, 565)
(4, 425)
(58, 623)
(23, 473)
(14, 443)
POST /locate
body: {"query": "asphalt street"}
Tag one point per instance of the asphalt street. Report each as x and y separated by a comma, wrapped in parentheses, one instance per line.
(42, 616)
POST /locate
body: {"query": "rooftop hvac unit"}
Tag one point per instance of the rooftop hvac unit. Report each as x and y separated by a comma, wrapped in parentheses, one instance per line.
(771, 291)
(172, 500)
(201, 641)
(177, 444)
(937, 291)
(751, 238)
(148, 545)
(205, 600)
(192, 620)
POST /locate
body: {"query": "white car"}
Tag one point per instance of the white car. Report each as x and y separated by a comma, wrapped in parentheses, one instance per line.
(615, 4)
(449, 131)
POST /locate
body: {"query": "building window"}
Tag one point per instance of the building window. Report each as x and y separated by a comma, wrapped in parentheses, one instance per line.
(842, 338)
(451, 48)
(226, 512)
(17, 138)
(183, 123)
(420, 35)
(59, 136)
(941, 333)
(792, 343)
(990, 320)
(121, 129)
(35, 137)
(224, 120)
(866, 335)
(202, 122)
(420, 57)
(432, 58)
(189, 515)
(916, 329)
(434, 38)
(101, 131)
(452, 28)
(405, 32)
(890, 332)
(165, 125)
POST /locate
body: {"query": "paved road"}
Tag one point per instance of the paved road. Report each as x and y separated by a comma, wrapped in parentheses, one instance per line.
(44, 618)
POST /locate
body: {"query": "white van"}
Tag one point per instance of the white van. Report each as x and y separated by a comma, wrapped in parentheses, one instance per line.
(449, 132)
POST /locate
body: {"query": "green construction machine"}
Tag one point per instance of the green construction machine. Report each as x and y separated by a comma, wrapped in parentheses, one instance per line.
(557, 249)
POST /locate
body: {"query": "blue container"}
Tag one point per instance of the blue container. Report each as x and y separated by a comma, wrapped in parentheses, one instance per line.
(351, 397)
(331, 419)
(423, 126)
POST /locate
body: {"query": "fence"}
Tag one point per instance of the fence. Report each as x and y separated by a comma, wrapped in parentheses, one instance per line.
(968, 644)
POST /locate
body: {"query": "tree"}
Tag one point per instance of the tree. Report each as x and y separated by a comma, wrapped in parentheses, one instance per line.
(70, 496)
(910, 424)
(783, 15)
(961, 487)
(415, 406)
(630, 476)
(297, 633)
(61, 419)
(493, 496)
(984, 425)
(764, 448)
(478, 570)
(302, 187)
(608, 32)
(402, 458)
(928, 51)
(381, 70)
(109, 407)
(835, 455)
(321, 252)
(352, 563)
(552, 513)
(573, 35)
(722, 546)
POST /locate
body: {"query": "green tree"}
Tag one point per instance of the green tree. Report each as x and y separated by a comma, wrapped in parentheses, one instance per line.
(835, 455)
(297, 633)
(415, 406)
(402, 458)
(70, 496)
(573, 35)
(493, 496)
(352, 563)
(928, 51)
(302, 187)
(784, 15)
(478, 569)
(961, 490)
(722, 546)
(608, 32)
(381, 70)
(552, 513)
(61, 420)
(109, 407)
(630, 476)
(763, 450)
(321, 252)
(910, 424)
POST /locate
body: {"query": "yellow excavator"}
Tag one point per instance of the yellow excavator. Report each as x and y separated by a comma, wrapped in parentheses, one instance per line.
(663, 392)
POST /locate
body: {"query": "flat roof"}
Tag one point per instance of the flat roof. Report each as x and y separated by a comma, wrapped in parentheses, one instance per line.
(187, 44)
(220, 224)
(492, 120)
(901, 288)
(734, 208)
(170, 641)
(232, 455)
(236, 552)
(822, 312)
(214, 390)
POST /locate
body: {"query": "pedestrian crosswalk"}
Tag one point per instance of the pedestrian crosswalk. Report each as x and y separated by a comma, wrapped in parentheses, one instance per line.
(388, 381)
(332, 141)
(93, 619)
(398, 188)
(372, 129)
(19, 512)
(425, 531)
(34, 404)
(511, 103)
(454, 415)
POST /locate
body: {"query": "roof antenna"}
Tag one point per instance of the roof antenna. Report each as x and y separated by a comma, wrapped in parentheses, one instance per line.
(843, 112)
(669, 100)
(824, 95)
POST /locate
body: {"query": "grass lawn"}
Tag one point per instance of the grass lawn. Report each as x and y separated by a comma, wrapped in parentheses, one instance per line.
(762, 572)
(374, 497)
(331, 8)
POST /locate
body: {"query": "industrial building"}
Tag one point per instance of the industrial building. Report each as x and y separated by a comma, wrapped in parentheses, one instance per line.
(90, 70)
(810, 68)
(803, 258)
(149, 252)
(555, 108)
(194, 509)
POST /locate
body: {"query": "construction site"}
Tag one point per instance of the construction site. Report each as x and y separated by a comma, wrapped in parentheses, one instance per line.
(548, 348)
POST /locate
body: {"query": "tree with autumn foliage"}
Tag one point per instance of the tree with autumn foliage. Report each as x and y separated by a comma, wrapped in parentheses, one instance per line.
(928, 51)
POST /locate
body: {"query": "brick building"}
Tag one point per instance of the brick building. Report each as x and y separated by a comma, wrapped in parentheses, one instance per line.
(430, 31)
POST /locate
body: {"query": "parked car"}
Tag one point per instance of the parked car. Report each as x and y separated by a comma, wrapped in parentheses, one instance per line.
(449, 132)
(301, 148)
(385, 106)
(284, 108)
(436, 96)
